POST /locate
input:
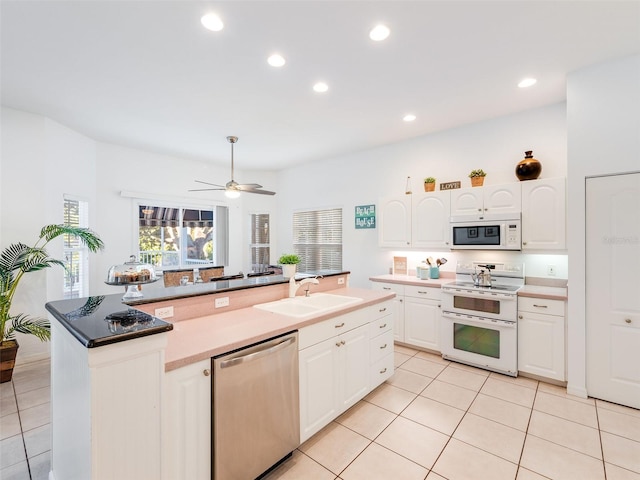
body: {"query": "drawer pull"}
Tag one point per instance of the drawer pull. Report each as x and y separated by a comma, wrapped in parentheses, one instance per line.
(384, 370)
(382, 326)
(422, 292)
(540, 306)
(340, 326)
(383, 309)
(206, 372)
(627, 320)
(383, 346)
(340, 343)
(386, 288)
(520, 317)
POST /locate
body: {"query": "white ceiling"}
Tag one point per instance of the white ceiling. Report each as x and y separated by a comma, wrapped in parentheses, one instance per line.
(148, 75)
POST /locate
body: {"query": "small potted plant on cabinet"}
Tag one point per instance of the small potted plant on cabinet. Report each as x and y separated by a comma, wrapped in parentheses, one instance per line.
(429, 184)
(477, 177)
(289, 261)
(15, 261)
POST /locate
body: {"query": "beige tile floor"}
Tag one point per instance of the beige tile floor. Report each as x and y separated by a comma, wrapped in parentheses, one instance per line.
(438, 420)
(25, 408)
(432, 420)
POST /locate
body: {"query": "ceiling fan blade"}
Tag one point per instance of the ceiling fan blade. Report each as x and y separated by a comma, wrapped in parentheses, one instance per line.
(261, 192)
(248, 186)
(205, 189)
(207, 183)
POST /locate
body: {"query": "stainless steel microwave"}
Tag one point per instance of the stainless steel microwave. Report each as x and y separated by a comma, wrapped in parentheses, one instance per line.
(499, 232)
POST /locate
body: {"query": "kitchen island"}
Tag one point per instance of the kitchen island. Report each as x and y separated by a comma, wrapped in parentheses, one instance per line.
(114, 405)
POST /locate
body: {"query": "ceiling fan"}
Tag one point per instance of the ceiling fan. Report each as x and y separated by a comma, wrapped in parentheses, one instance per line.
(232, 188)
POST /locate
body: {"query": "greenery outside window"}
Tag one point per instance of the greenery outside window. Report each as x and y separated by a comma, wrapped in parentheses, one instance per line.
(317, 239)
(180, 237)
(75, 253)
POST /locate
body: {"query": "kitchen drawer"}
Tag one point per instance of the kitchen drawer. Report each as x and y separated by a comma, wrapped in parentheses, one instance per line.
(541, 305)
(380, 310)
(396, 288)
(422, 292)
(381, 325)
(381, 370)
(380, 346)
(319, 332)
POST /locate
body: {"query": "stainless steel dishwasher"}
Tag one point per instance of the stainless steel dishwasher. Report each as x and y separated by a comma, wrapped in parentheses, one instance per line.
(256, 410)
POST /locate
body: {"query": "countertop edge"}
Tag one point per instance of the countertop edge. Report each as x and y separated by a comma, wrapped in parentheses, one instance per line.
(285, 324)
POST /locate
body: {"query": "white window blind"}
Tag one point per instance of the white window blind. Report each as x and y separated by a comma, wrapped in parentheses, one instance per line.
(260, 248)
(317, 239)
(76, 255)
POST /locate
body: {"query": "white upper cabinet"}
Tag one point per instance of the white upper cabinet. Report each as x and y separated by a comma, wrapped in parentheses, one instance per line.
(478, 201)
(543, 214)
(419, 220)
(430, 219)
(395, 222)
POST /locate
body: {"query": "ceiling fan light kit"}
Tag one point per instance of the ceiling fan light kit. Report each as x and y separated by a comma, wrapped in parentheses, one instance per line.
(232, 188)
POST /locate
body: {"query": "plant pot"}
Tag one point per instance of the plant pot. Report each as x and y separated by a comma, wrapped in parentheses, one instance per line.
(289, 270)
(477, 181)
(8, 352)
(429, 187)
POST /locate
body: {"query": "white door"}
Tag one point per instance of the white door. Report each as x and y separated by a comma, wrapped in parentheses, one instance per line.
(430, 220)
(395, 222)
(613, 289)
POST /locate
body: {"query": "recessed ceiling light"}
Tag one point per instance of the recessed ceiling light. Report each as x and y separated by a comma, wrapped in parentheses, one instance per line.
(320, 87)
(212, 22)
(527, 82)
(379, 33)
(276, 60)
(410, 117)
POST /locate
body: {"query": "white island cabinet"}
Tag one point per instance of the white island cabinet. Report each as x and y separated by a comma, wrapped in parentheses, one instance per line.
(187, 423)
(336, 368)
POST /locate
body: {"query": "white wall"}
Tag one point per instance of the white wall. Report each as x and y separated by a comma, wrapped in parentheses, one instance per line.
(362, 178)
(603, 116)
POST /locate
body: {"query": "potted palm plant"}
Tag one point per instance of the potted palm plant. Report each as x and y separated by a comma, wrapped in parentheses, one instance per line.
(17, 260)
(477, 177)
(289, 262)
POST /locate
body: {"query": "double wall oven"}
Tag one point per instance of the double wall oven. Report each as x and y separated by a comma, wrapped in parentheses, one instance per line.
(479, 323)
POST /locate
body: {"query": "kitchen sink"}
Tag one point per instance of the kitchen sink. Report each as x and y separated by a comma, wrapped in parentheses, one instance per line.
(314, 304)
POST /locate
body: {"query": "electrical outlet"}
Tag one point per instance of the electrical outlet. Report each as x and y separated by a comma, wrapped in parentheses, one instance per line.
(164, 312)
(551, 270)
(341, 281)
(222, 302)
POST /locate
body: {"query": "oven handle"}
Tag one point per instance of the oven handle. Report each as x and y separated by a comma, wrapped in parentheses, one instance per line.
(479, 320)
(479, 294)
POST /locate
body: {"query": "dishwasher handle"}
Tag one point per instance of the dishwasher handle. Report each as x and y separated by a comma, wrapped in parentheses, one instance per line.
(259, 354)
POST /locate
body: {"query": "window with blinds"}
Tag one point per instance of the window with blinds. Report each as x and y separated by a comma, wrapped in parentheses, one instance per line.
(260, 248)
(317, 239)
(177, 237)
(75, 254)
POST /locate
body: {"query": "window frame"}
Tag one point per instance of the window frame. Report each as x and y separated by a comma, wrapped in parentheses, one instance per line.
(324, 250)
(81, 249)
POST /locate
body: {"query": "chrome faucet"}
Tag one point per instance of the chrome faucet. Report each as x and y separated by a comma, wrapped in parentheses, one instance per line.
(293, 286)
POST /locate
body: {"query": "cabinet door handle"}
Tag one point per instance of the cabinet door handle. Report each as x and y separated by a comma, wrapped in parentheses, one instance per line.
(479, 209)
(627, 320)
(439, 306)
(384, 370)
(206, 372)
(540, 306)
(524, 243)
(340, 326)
(520, 317)
(340, 343)
(383, 346)
(383, 309)
(382, 326)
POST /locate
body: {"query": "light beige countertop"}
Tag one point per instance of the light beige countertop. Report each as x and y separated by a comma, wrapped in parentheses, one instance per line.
(445, 277)
(201, 338)
(540, 291)
(536, 291)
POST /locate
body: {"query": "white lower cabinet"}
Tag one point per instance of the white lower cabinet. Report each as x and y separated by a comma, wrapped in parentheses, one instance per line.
(397, 306)
(336, 366)
(541, 337)
(422, 317)
(187, 423)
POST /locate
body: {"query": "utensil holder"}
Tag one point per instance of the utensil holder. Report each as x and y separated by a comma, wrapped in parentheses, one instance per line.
(434, 272)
